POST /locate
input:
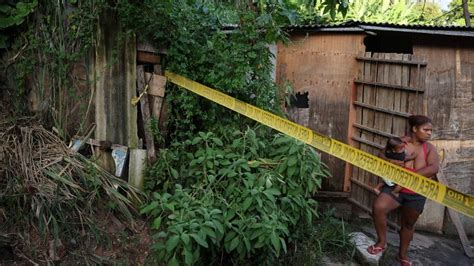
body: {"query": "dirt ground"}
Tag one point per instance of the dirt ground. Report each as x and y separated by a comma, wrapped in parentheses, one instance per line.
(127, 244)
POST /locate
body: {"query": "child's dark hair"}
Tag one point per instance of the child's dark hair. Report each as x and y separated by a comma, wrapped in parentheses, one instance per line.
(393, 142)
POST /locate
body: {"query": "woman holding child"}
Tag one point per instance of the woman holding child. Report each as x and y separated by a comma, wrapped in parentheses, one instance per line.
(425, 162)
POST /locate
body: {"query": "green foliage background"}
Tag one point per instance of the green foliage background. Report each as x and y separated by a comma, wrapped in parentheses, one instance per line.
(455, 13)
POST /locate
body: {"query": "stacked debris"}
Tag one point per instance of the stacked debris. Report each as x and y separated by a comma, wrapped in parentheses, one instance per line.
(54, 200)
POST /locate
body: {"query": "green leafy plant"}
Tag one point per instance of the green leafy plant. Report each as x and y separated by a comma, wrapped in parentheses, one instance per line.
(42, 59)
(222, 44)
(325, 237)
(389, 11)
(236, 197)
(12, 16)
(455, 14)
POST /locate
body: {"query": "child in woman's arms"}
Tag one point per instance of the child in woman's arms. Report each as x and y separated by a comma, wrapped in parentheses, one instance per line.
(395, 152)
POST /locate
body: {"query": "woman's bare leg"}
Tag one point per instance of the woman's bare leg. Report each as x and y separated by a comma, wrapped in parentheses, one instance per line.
(383, 204)
(409, 218)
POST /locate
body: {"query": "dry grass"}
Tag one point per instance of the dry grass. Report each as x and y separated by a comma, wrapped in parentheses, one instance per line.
(51, 198)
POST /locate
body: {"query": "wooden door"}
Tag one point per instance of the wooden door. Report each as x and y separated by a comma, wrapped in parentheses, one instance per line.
(389, 89)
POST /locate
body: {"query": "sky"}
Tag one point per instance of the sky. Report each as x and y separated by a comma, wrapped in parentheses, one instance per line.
(443, 3)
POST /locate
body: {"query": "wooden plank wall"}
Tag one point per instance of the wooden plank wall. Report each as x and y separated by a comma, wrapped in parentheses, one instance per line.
(450, 102)
(382, 104)
(325, 66)
(115, 84)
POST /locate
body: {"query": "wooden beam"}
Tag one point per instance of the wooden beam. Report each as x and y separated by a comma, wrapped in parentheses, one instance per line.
(362, 185)
(150, 58)
(375, 131)
(385, 85)
(144, 107)
(331, 194)
(380, 109)
(350, 132)
(391, 61)
(367, 209)
(368, 142)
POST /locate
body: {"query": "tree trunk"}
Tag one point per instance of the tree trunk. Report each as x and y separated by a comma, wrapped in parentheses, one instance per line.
(467, 15)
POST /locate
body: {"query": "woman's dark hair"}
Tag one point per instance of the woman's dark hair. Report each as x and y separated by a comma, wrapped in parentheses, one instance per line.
(418, 120)
(392, 142)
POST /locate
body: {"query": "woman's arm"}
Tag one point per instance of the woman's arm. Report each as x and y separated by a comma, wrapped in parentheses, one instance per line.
(432, 162)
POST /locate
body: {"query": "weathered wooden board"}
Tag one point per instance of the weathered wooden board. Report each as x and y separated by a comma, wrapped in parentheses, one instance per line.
(325, 66)
(146, 116)
(114, 84)
(440, 83)
(156, 84)
(382, 111)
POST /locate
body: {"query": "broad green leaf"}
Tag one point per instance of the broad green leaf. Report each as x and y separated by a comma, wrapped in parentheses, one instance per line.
(259, 202)
(275, 242)
(215, 211)
(174, 173)
(185, 239)
(268, 183)
(280, 140)
(283, 244)
(211, 178)
(172, 243)
(209, 164)
(196, 140)
(269, 196)
(230, 236)
(282, 150)
(291, 171)
(247, 244)
(294, 148)
(173, 262)
(5, 9)
(199, 240)
(219, 226)
(157, 223)
(209, 232)
(256, 234)
(217, 141)
(234, 243)
(153, 205)
(188, 256)
(247, 203)
(292, 161)
(273, 191)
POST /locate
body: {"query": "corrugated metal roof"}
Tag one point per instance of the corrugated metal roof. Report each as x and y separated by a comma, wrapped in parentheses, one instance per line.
(357, 26)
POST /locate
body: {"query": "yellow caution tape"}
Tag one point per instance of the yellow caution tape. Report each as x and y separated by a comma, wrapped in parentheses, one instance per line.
(413, 181)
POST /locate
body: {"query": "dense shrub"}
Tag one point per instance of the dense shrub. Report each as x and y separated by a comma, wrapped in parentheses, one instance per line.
(234, 198)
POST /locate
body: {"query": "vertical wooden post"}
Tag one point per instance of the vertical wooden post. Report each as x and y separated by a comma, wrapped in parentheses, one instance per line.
(350, 133)
(144, 107)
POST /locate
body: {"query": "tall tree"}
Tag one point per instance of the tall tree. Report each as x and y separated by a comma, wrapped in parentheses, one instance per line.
(466, 14)
(458, 13)
(392, 11)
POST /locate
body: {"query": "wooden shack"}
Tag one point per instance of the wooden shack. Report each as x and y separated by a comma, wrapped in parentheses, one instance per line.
(365, 79)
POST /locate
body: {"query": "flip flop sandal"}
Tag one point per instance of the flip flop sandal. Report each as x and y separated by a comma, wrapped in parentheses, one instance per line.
(374, 250)
(404, 262)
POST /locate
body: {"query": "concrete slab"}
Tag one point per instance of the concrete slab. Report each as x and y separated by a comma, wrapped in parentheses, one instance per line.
(425, 249)
(362, 242)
